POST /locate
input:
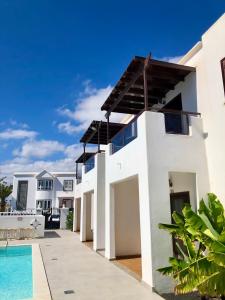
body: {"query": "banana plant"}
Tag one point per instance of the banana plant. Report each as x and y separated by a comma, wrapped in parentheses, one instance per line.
(201, 267)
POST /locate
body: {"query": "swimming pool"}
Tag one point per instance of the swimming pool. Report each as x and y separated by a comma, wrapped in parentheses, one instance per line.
(16, 279)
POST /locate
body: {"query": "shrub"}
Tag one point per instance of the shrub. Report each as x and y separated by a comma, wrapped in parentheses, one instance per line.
(69, 221)
(201, 263)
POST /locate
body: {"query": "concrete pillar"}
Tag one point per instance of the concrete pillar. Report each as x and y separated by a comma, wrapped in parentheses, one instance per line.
(63, 216)
(110, 222)
(99, 204)
(76, 215)
(85, 229)
(83, 218)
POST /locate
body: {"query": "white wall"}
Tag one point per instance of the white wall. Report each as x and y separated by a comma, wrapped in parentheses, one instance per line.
(32, 187)
(88, 212)
(187, 89)
(211, 99)
(15, 222)
(151, 156)
(166, 153)
(127, 218)
(94, 182)
(76, 214)
(184, 182)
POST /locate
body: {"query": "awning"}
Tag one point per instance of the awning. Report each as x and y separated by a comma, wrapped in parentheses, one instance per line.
(97, 132)
(128, 96)
(84, 157)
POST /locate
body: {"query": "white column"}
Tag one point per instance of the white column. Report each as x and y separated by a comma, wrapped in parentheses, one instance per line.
(75, 214)
(63, 216)
(99, 203)
(145, 229)
(110, 222)
(83, 218)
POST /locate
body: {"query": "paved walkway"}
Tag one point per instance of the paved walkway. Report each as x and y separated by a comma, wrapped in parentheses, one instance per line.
(70, 265)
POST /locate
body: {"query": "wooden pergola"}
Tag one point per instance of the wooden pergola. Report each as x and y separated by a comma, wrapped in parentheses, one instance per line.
(82, 159)
(145, 82)
(99, 133)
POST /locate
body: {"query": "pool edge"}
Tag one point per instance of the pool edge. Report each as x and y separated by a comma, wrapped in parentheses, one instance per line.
(40, 283)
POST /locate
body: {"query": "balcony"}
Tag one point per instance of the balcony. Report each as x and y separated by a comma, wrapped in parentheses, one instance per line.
(124, 136)
(177, 122)
(89, 164)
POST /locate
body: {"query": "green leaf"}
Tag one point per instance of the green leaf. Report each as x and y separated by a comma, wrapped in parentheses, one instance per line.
(178, 218)
(218, 258)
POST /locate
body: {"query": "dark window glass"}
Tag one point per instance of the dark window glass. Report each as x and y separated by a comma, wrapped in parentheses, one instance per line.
(22, 195)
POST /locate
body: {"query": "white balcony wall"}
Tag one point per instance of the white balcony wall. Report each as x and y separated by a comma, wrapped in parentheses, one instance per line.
(151, 156)
(94, 182)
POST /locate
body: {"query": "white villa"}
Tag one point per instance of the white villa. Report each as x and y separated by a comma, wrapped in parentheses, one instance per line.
(169, 151)
(43, 190)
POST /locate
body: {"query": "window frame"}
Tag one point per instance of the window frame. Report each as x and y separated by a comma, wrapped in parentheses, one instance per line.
(66, 189)
(47, 185)
(222, 63)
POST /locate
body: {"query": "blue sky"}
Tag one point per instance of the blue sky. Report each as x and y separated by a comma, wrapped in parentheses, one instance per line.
(60, 59)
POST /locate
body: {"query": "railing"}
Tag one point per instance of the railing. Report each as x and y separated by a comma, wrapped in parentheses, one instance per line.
(89, 164)
(124, 136)
(177, 122)
(19, 213)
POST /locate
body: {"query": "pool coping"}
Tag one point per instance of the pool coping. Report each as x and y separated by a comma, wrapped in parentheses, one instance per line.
(40, 283)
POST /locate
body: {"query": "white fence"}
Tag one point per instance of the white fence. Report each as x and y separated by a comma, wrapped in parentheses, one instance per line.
(21, 225)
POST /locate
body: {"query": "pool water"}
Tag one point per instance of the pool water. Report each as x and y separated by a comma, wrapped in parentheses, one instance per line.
(16, 280)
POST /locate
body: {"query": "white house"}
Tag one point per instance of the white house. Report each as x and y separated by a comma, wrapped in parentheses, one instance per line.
(170, 153)
(44, 190)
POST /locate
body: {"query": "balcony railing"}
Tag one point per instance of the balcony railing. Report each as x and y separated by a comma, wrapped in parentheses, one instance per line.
(177, 122)
(124, 136)
(89, 164)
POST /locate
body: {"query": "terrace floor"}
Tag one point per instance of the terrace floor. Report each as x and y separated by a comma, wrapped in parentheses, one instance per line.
(71, 265)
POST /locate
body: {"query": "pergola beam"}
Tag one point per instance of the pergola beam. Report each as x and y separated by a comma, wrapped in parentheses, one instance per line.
(132, 81)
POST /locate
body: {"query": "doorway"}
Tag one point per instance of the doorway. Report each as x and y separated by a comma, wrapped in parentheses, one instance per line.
(177, 203)
(127, 226)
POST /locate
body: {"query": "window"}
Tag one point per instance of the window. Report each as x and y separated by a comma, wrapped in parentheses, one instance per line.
(44, 204)
(223, 71)
(21, 203)
(46, 184)
(68, 185)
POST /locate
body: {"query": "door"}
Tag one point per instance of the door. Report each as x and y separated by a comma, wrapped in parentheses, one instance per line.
(21, 203)
(177, 203)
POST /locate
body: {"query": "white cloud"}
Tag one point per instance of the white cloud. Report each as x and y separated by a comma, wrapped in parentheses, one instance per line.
(172, 59)
(17, 134)
(87, 108)
(26, 164)
(9, 167)
(39, 149)
(68, 128)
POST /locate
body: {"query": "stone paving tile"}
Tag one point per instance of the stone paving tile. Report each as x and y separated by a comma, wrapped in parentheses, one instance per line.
(70, 265)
